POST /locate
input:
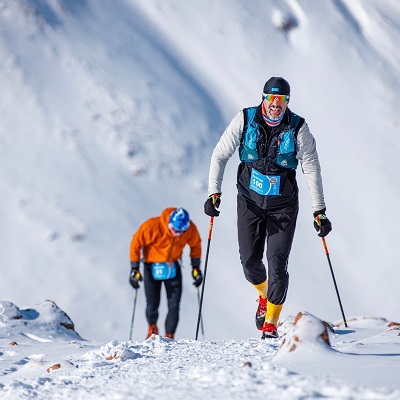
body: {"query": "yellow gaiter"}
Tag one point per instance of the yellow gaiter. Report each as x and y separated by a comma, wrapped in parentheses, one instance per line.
(273, 312)
(262, 288)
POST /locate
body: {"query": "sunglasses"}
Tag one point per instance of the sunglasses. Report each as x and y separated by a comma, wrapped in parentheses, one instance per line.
(282, 98)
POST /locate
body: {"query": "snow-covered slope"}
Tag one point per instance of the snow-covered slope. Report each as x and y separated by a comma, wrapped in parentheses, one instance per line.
(110, 111)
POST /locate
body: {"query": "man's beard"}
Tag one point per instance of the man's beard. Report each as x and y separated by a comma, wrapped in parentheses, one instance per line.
(272, 117)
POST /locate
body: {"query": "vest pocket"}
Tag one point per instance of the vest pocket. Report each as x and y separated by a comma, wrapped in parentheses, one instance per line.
(286, 156)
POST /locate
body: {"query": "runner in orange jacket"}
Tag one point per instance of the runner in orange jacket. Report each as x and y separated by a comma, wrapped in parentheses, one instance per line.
(160, 241)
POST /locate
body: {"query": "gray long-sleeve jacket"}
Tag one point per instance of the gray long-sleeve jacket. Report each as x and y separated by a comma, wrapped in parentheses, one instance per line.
(306, 154)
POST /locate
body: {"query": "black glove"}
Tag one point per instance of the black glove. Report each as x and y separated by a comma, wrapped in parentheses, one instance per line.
(321, 223)
(211, 205)
(135, 277)
(197, 276)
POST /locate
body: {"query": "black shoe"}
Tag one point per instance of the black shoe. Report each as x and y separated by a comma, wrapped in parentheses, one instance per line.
(261, 311)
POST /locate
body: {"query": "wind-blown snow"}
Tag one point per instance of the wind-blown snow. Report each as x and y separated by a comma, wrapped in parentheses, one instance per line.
(110, 111)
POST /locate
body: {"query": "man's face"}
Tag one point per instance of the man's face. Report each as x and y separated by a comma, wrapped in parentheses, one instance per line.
(275, 105)
(174, 231)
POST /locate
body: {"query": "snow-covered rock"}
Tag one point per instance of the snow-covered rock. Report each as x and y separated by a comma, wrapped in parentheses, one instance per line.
(307, 331)
(43, 322)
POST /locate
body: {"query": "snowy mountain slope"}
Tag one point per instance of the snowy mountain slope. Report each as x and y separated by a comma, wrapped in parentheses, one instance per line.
(41, 359)
(110, 111)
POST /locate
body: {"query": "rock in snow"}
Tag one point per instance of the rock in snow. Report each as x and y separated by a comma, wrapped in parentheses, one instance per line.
(307, 330)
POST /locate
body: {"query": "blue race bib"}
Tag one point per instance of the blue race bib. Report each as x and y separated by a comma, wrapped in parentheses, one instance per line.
(266, 185)
(163, 271)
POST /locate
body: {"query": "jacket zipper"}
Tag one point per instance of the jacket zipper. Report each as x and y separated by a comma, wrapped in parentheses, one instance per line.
(267, 143)
(170, 249)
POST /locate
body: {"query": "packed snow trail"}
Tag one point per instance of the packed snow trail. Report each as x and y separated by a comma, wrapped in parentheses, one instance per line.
(161, 368)
(42, 357)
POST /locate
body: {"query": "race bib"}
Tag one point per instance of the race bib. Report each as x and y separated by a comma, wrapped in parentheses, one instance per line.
(163, 271)
(266, 185)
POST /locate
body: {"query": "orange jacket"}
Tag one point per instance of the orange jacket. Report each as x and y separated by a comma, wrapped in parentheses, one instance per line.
(159, 245)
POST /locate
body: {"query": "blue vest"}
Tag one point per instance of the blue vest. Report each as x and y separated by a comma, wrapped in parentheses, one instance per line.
(286, 143)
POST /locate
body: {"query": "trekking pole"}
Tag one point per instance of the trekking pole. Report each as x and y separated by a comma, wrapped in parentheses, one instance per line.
(334, 280)
(201, 318)
(133, 314)
(205, 274)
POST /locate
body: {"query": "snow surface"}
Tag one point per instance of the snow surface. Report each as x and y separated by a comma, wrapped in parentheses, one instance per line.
(41, 359)
(110, 111)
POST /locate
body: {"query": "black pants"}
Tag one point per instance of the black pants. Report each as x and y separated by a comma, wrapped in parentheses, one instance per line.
(275, 228)
(152, 290)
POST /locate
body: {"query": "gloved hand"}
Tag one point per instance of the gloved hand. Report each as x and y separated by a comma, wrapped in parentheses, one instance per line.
(211, 205)
(197, 276)
(321, 223)
(135, 277)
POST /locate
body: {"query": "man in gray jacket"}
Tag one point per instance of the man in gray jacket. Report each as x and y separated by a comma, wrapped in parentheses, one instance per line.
(271, 141)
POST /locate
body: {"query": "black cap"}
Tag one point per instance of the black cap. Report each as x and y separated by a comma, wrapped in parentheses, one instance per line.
(277, 85)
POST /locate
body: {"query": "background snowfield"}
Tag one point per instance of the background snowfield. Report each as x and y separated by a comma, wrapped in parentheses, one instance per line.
(110, 111)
